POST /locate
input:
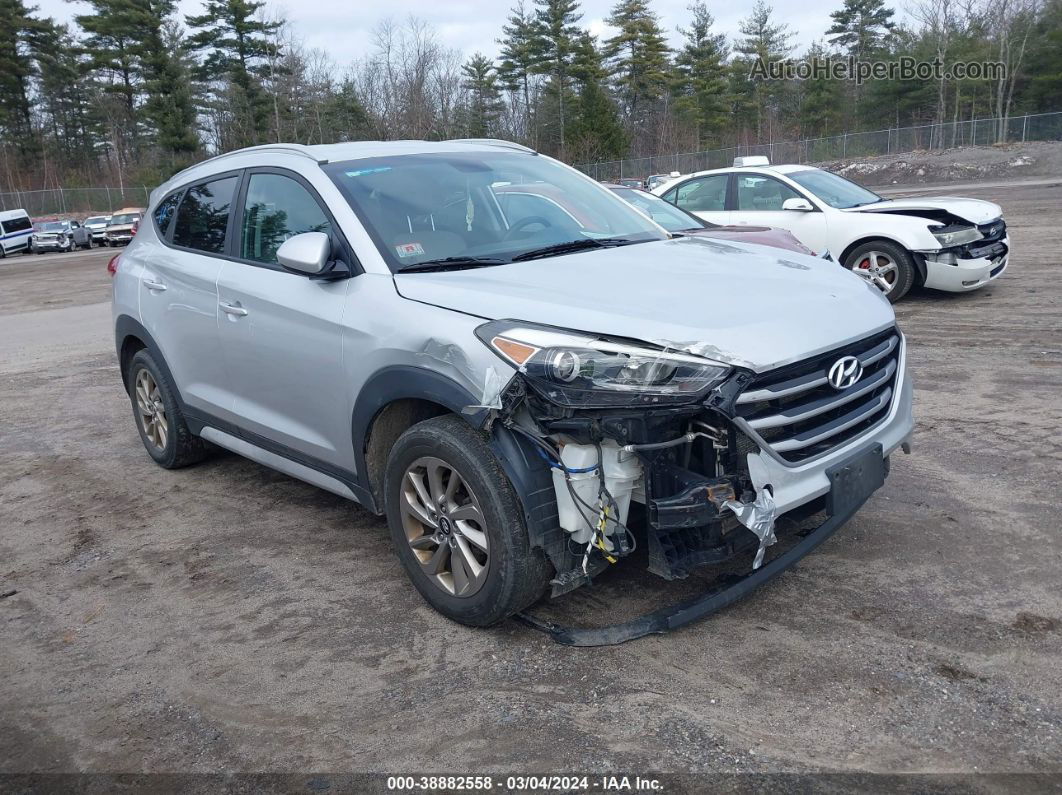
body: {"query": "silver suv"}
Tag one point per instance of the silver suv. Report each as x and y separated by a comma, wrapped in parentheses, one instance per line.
(526, 375)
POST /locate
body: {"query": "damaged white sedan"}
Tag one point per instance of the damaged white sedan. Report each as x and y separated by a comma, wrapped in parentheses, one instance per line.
(945, 243)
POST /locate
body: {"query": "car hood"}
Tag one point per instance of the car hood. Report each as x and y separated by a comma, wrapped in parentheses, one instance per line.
(763, 235)
(975, 211)
(743, 305)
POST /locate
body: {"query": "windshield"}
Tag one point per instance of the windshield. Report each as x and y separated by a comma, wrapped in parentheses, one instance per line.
(834, 190)
(664, 213)
(53, 226)
(126, 218)
(96, 219)
(496, 205)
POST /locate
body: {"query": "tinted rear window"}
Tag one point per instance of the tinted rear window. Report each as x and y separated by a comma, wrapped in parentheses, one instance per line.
(16, 225)
(203, 216)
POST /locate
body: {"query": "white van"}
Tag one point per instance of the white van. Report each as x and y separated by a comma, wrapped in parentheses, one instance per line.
(15, 232)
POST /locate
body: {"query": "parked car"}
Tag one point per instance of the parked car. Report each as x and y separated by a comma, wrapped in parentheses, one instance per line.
(944, 243)
(122, 227)
(60, 236)
(16, 232)
(630, 183)
(675, 219)
(523, 395)
(654, 180)
(97, 226)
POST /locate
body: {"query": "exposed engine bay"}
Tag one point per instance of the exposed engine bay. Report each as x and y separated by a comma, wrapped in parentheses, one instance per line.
(679, 473)
(611, 458)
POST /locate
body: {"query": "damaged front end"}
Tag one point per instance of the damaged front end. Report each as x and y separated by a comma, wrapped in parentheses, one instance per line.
(969, 256)
(610, 443)
(602, 436)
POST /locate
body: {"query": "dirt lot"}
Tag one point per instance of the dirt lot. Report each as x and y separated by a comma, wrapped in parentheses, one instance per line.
(226, 617)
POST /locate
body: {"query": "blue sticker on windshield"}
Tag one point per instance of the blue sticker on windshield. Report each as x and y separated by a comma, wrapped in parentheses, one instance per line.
(361, 172)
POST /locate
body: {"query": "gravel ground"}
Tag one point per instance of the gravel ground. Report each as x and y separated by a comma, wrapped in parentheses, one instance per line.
(225, 617)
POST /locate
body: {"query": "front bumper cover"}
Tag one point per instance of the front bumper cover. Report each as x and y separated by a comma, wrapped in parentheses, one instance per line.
(947, 271)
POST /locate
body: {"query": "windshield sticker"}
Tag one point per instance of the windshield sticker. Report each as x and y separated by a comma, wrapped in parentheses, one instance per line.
(409, 249)
(364, 171)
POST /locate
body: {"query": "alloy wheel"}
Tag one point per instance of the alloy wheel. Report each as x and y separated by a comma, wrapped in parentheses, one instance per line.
(444, 526)
(879, 269)
(151, 409)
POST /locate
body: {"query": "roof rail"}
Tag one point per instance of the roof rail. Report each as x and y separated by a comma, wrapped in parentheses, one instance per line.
(296, 149)
(499, 142)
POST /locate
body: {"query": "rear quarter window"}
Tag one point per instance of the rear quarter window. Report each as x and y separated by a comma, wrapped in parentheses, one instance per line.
(165, 211)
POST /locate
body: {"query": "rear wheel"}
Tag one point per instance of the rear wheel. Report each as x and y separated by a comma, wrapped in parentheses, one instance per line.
(887, 266)
(457, 525)
(162, 427)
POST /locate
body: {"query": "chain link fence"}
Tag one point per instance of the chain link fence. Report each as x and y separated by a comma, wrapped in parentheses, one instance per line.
(74, 201)
(975, 132)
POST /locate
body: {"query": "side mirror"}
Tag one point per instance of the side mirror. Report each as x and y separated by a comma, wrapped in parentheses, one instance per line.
(802, 205)
(306, 253)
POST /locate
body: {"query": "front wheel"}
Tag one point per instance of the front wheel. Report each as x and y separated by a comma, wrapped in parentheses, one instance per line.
(457, 525)
(887, 266)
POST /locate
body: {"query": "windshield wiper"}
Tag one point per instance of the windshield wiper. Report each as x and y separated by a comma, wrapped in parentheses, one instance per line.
(451, 264)
(574, 245)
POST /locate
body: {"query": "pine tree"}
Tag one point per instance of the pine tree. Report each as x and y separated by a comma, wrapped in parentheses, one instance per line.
(485, 105)
(518, 59)
(596, 132)
(169, 106)
(701, 82)
(234, 38)
(638, 54)
(765, 42)
(861, 26)
(112, 47)
(556, 32)
(17, 27)
(821, 99)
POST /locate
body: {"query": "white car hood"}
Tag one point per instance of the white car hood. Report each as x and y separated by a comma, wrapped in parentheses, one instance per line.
(975, 211)
(745, 306)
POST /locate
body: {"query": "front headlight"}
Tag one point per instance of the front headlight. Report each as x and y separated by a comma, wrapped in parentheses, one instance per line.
(573, 369)
(949, 236)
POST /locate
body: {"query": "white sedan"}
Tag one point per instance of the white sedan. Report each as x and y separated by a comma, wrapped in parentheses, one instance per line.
(945, 243)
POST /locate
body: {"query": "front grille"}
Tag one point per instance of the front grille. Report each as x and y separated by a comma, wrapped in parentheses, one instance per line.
(796, 412)
(995, 230)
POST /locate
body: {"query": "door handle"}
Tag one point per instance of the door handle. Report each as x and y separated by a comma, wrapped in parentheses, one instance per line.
(151, 285)
(232, 309)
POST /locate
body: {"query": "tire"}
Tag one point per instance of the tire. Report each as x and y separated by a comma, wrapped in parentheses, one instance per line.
(883, 262)
(513, 575)
(174, 446)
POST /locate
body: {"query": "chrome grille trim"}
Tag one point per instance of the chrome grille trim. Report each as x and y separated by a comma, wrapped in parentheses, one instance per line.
(856, 415)
(823, 405)
(804, 383)
(796, 415)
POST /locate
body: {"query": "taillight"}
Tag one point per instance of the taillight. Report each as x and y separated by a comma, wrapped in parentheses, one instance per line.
(112, 266)
(136, 225)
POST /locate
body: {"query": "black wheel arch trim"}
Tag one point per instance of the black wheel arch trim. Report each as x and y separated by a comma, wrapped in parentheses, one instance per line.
(126, 327)
(405, 382)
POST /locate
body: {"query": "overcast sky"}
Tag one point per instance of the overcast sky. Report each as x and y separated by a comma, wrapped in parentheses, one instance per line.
(343, 28)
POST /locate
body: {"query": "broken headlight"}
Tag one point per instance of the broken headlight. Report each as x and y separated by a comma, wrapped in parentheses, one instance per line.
(949, 236)
(574, 369)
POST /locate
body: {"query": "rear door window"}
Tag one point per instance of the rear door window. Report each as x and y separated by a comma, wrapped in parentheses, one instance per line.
(203, 216)
(702, 194)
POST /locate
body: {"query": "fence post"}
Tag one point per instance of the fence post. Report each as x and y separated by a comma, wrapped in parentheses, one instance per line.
(844, 145)
(1024, 121)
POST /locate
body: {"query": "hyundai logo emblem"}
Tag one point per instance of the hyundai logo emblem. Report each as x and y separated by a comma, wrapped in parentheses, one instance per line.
(844, 372)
